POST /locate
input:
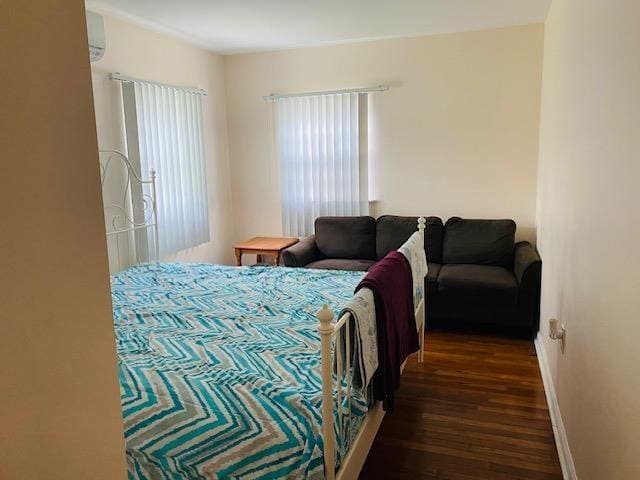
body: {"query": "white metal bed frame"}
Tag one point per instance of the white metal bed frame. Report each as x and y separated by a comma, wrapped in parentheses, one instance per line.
(135, 211)
(331, 333)
(138, 212)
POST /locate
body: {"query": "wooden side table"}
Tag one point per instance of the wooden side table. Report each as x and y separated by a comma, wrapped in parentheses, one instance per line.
(264, 246)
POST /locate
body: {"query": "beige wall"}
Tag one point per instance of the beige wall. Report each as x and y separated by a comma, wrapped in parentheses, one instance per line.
(589, 227)
(134, 51)
(59, 397)
(457, 134)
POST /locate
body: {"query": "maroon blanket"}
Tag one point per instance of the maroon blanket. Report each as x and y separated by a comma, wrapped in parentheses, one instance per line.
(391, 281)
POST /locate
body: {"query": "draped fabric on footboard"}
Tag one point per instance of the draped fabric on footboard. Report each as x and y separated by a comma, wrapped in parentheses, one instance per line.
(220, 369)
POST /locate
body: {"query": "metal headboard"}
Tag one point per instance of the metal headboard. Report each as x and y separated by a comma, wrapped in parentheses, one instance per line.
(130, 212)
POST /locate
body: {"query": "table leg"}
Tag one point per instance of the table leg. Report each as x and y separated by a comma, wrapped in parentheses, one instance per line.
(276, 259)
(258, 258)
(238, 257)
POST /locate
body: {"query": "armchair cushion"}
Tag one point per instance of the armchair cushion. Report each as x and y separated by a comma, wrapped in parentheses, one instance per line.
(479, 242)
(346, 237)
(478, 283)
(342, 264)
(302, 253)
(393, 231)
(432, 278)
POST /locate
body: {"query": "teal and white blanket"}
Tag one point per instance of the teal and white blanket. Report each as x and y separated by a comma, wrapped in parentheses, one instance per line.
(220, 369)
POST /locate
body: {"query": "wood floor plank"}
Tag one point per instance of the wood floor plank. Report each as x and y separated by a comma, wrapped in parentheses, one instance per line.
(474, 410)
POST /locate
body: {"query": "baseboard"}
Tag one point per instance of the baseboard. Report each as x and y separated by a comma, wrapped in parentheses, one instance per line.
(562, 444)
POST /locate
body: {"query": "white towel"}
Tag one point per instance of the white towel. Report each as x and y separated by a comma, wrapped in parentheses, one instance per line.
(364, 339)
(413, 250)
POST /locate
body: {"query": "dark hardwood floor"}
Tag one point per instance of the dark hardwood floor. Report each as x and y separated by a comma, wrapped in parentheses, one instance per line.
(475, 409)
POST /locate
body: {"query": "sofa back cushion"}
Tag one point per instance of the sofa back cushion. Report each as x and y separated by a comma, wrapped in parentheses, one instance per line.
(346, 237)
(393, 231)
(479, 242)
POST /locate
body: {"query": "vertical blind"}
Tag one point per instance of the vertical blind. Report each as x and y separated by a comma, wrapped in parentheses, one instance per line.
(169, 137)
(322, 162)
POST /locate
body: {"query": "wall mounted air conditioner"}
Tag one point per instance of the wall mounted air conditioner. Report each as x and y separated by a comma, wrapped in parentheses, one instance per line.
(95, 32)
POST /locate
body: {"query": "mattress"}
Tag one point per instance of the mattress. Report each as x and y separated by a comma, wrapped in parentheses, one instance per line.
(219, 370)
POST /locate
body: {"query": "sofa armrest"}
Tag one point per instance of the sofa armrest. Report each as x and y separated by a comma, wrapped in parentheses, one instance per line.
(527, 267)
(526, 263)
(302, 253)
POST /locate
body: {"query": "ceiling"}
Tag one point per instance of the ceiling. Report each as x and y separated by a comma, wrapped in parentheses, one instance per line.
(237, 26)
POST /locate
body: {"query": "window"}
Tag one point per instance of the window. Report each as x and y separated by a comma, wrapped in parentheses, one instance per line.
(164, 133)
(322, 147)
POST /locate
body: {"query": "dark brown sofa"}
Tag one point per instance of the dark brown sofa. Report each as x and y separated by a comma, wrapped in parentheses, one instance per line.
(477, 273)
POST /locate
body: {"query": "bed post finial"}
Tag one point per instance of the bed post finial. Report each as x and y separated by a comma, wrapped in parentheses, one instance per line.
(325, 316)
(421, 224)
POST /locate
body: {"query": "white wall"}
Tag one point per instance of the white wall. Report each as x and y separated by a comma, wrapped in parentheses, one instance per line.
(457, 134)
(134, 51)
(589, 228)
(59, 396)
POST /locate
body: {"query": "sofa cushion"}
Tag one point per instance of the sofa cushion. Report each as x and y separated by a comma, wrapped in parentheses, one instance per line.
(346, 237)
(478, 283)
(393, 231)
(432, 278)
(480, 242)
(341, 264)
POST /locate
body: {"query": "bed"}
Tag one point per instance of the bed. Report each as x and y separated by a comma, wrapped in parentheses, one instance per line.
(228, 372)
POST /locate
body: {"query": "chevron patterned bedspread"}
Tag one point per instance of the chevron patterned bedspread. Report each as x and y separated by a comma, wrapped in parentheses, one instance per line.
(220, 369)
